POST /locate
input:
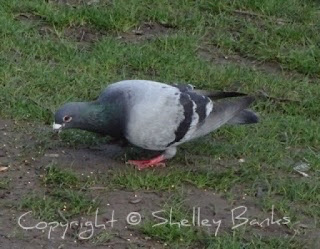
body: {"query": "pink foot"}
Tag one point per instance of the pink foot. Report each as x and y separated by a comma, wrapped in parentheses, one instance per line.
(143, 164)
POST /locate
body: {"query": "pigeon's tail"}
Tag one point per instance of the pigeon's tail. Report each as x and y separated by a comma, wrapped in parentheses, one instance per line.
(244, 117)
(223, 112)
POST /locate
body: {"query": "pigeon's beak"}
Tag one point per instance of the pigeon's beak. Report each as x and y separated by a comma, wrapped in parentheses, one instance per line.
(57, 127)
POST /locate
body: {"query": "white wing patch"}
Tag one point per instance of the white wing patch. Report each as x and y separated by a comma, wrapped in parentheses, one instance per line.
(209, 108)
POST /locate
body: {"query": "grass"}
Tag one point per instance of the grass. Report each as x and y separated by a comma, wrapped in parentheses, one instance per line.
(59, 205)
(102, 238)
(42, 67)
(256, 242)
(153, 180)
(4, 184)
(173, 210)
(192, 237)
(60, 178)
(65, 197)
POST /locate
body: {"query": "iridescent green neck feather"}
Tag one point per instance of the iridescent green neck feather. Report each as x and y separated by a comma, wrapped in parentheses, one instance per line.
(104, 118)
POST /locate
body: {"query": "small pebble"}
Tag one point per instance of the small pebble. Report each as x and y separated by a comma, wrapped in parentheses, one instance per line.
(2, 168)
(2, 153)
(301, 166)
(51, 155)
(135, 201)
(260, 192)
(138, 32)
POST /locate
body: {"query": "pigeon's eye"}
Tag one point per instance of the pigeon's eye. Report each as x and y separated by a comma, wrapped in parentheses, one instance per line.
(67, 119)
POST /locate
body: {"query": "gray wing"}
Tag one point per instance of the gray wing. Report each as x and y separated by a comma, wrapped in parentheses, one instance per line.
(207, 116)
(212, 115)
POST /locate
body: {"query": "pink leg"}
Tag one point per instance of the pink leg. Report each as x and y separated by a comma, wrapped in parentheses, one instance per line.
(143, 164)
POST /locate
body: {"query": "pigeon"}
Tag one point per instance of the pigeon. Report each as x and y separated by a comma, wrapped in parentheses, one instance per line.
(155, 116)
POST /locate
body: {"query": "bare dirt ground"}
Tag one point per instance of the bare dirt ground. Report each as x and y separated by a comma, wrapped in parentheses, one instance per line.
(24, 172)
(85, 35)
(24, 175)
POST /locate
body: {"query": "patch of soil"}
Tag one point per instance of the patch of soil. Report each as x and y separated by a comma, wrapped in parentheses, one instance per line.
(28, 17)
(75, 3)
(44, 29)
(215, 55)
(210, 205)
(111, 218)
(83, 34)
(23, 176)
(146, 31)
(86, 35)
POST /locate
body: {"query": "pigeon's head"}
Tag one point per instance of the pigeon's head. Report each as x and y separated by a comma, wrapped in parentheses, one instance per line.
(68, 116)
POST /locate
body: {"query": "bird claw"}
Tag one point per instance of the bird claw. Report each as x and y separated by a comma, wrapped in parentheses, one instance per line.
(143, 164)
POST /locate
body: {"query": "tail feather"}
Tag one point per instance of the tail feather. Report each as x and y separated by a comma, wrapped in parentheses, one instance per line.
(244, 117)
(222, 112)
